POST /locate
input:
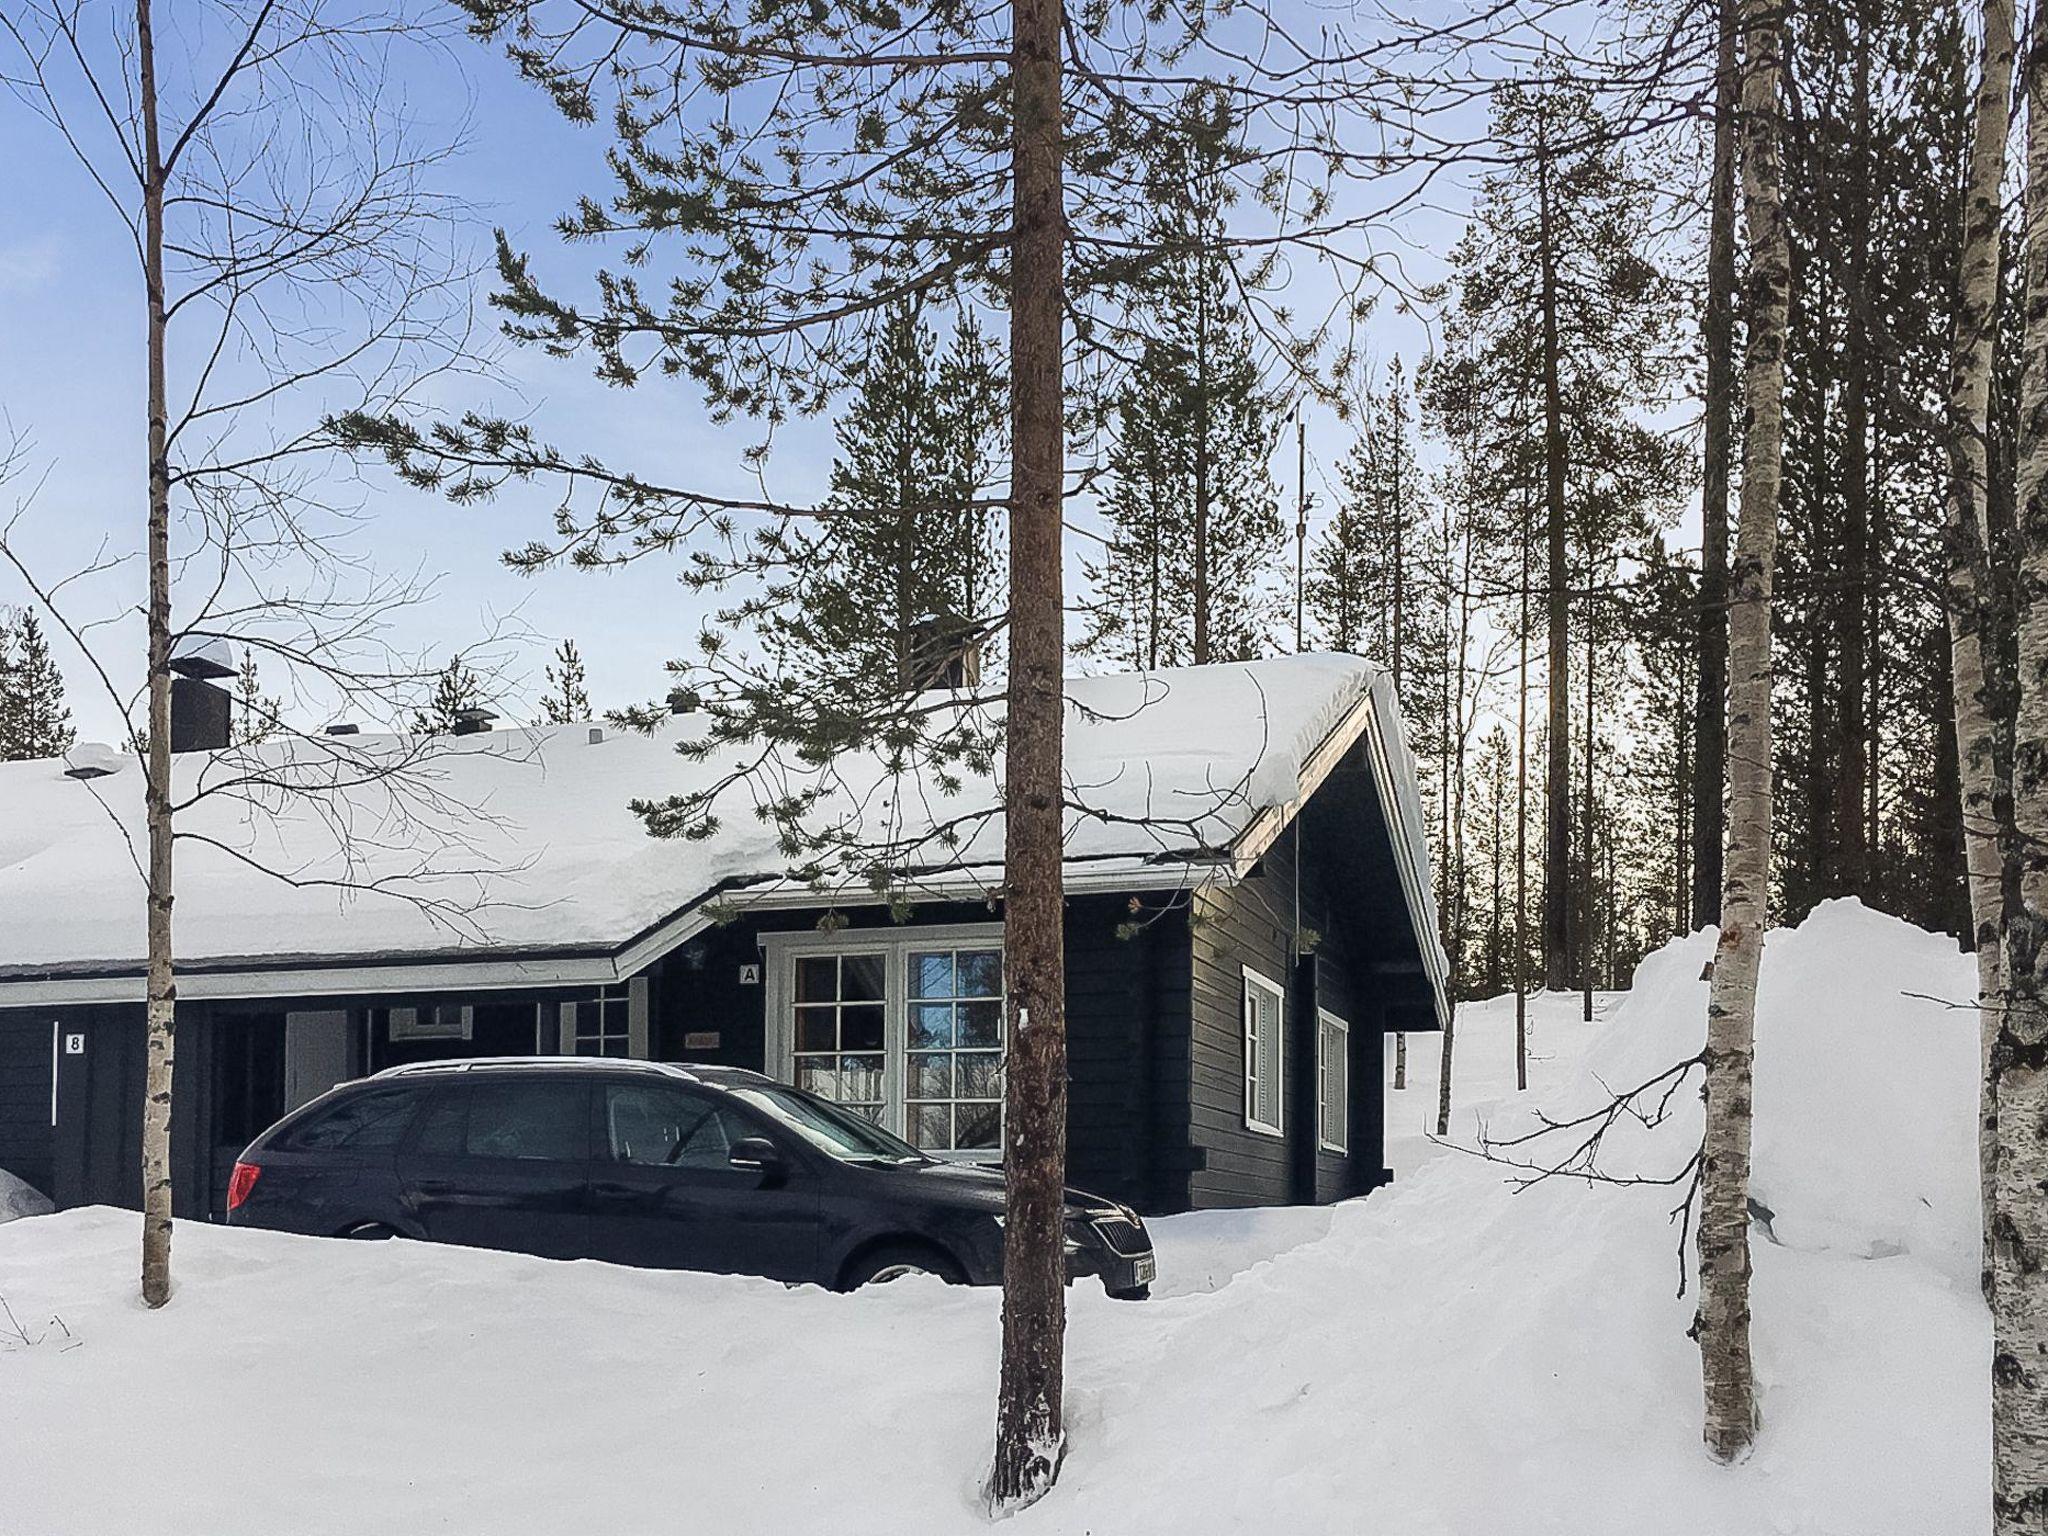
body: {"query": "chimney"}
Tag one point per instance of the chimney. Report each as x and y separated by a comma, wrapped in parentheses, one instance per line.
(202, 712)
(473, 721)
(945, 652)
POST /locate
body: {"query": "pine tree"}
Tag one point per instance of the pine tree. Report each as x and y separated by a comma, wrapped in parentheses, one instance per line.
(256, 717)
(1560, 344)
(906, 553)
(566, 702)
(35, 722)
(456, 688)
(1362, 592)
(1186, 576)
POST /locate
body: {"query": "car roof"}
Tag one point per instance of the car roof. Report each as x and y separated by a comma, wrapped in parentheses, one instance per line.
(709, 1075)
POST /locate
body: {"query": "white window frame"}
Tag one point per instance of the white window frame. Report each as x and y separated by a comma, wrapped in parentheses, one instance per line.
(1327, 1025)
(780, 951)
(1254, 1058)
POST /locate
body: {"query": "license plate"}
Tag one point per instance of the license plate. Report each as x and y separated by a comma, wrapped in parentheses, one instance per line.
(1143, 1270)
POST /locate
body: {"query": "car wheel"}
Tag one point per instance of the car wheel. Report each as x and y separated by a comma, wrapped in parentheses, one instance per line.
(893, 1262)
(1133, 1293)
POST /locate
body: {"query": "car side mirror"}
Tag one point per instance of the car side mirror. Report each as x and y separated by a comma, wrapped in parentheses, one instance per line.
(757, 1154)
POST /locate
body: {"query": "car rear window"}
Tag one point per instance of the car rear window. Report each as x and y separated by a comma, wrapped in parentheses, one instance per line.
(371, 1121)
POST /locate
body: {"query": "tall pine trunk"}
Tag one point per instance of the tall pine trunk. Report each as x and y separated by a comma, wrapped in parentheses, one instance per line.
(1722, 1326)
(1522, 826)
(1030, 1434)
(1557, 791)
(1853, 724)
(1966, 532)
(1710, 698)
(162, 989)
(2018, 1058)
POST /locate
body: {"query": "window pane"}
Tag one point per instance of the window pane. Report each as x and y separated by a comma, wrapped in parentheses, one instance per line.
(981, 973)
(931, 1026)
(980, 1076)
(860, 1079)
(537, 1120)
(978, 1126)
(817, 1029)
(861, 978)
(441, 1129)
(817, 979)
(981, 1024)
(646, 1123)
(931, 975)
(860, 1028)
(931, 1127)
(931, 1076)
(368, 1122)
(819, 1075)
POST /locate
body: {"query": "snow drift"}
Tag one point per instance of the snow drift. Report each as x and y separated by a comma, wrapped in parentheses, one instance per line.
(1447, 1357)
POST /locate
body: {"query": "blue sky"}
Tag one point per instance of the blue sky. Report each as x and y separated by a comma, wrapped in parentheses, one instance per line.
(71, 382)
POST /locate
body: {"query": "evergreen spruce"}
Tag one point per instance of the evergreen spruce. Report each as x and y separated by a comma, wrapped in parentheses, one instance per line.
(35, 722)
(256, 717)
(566, 702)
(456, 688)
(1187, 573)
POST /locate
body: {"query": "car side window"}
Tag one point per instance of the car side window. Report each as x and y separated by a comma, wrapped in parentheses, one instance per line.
(374, 1120)
(657, 1125)
(536, 1119)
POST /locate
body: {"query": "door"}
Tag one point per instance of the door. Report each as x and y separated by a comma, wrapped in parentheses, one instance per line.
(315, 1055)
(664, 1195)
(503, 1161)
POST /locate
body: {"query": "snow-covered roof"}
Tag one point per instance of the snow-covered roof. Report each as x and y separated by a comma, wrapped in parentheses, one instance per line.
(516, 850)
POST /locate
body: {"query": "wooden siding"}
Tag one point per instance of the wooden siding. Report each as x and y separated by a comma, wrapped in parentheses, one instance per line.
(27, 1146)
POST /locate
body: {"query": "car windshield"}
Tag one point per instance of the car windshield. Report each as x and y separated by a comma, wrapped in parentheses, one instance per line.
(834, 1131)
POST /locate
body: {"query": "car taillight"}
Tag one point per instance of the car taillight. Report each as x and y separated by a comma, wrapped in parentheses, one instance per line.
(241, 1182)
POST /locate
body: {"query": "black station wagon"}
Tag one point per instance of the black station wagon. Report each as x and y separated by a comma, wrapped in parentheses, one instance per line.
(710, 1168)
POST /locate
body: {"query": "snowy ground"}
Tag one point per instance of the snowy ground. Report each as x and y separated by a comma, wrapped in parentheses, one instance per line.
(1446, 1358)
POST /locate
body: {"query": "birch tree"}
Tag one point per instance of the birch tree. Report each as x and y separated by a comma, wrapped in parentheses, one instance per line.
(272, 191)
(2017, 1062)
(1722, 1323)
(1967, 531)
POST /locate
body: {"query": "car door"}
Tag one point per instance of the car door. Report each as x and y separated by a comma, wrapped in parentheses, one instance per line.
(502, 1160)
(664, 1195)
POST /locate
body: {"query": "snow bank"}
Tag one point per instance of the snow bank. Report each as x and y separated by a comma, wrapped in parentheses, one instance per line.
(1445, 1358)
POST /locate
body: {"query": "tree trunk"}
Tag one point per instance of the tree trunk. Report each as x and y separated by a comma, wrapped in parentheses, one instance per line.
(1853, 725)
(1030, 1434)
(1522, 828)
(1722, 1325)
(1557, 842)
(1710, 700)
(1586, 817)
(2018, 1058)
(162, 987)
(1203, 641)
(1966, 532)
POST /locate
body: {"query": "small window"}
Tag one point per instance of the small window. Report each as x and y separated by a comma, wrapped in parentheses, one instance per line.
(1333, 1083)
(651, 1125)
(1263, 1068)
(604, 1025)
(371, 1121)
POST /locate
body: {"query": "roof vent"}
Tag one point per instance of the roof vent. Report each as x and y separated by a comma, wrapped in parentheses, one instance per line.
(344, 728)
(596, 734)
(474, 720)
(681, 700)
(92, 760)
(205, 657)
